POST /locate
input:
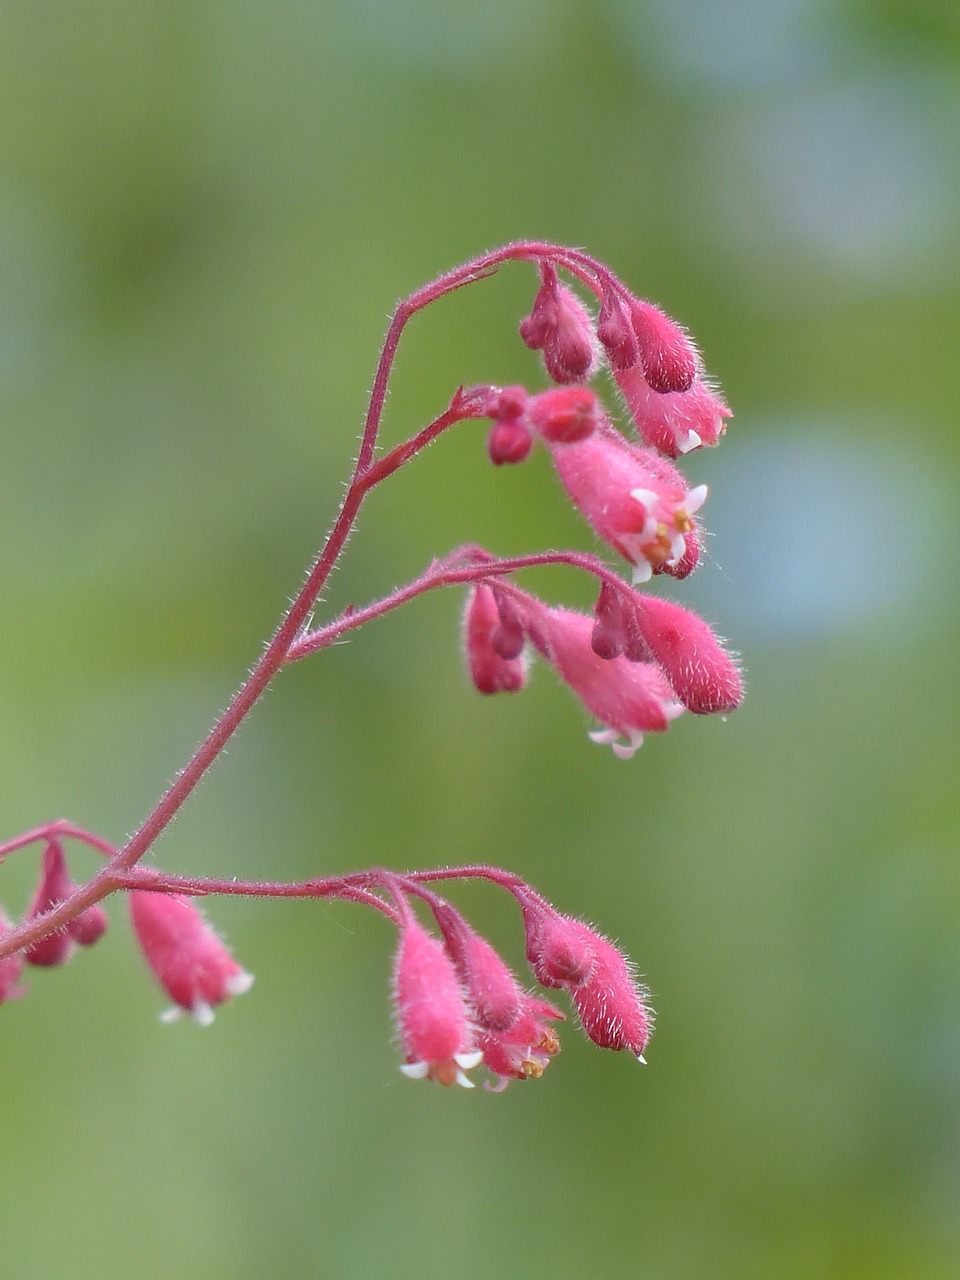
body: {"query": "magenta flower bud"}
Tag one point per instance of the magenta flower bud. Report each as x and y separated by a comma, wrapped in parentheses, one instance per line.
(674, 423)
(559, 950)
(524, 1049)
(631, 498)
(609, 637)
(615, 333)
(669, 358)
(612, 1005)
(55, 886)
(508, 442)
(569, 354)
(431, 1014)
(489, 670)
(560, 326)
(89, 926)
(186, 956)
(628, 698)
(492, 991)
(565, 414)
(702, 674)
(11, 968)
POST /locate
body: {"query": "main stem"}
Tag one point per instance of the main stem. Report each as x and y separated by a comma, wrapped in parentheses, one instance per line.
(364, 478)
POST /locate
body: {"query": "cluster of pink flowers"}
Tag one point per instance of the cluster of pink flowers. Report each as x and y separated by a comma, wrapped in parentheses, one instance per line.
(636, 664)
(458, 1004)
(185, 955)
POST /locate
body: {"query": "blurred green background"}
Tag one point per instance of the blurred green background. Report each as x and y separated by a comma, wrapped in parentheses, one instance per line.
(207, 212)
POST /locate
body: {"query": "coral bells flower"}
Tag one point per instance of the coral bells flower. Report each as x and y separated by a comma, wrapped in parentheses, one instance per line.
(10, 969)
(523, 1050)
(703, 675)
(669, 358)
(632, 499)
(629, 698)
(431, 1012)
(564, 414)
(509, 441)
(611, 1003)
(486, 639)
(560, 327)
(674, 422)
(187, 957)
(55, 886)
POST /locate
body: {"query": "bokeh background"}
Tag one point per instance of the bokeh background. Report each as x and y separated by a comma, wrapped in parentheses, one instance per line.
(207, 211)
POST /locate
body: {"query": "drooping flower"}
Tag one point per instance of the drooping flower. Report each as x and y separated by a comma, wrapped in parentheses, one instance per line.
(493, 646)
(56, 886)
(438, 1043)
(628, 698)
(631, 498)
(187, 957)
(676, 422)
(521, 1051)
(559, 326)
(702, 674)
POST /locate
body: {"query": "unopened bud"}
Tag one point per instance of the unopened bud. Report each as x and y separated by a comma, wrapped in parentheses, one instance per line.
(509, 442)
(490, 671)
(55, 886)
(564, 414)
(616, 334)
(668, 356)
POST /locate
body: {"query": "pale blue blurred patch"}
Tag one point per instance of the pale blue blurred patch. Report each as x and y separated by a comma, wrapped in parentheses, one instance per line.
(735, 44)
(816, 532)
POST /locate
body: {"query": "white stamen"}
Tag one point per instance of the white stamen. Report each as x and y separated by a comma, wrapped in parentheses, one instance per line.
(468, 1060)
(646, 497)
(464, 1081)
(603, 737)
(642, 572)
(202, 1013)
(695, 499)
(238, 984)
(693, 442)
(678, 545)
(173, 1014)
(415, 1070)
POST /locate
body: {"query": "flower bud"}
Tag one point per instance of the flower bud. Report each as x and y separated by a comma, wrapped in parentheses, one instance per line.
(431, 1014)
(674, 423)
(186, 956)
(55, 886)
(490, 671)
(615, 333)
(508, 442)
(569, 354)
(669, 358)
(703, 675)
(558, 950)
(628, 698)
(609, 636)
(612, 1005)
(565, 414)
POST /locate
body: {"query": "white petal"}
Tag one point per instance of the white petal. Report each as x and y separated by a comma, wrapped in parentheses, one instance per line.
(642, 572)
(202, 1013)
(468, 1060)
(678, 545)
(464, 1081)
(646, 497)
(695, 499)
(672, 708)
(693, 441)
(415, 1070)
(238, 984)
(603, 737)
(623, 750)
(173, 1014)
(641, 1059)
